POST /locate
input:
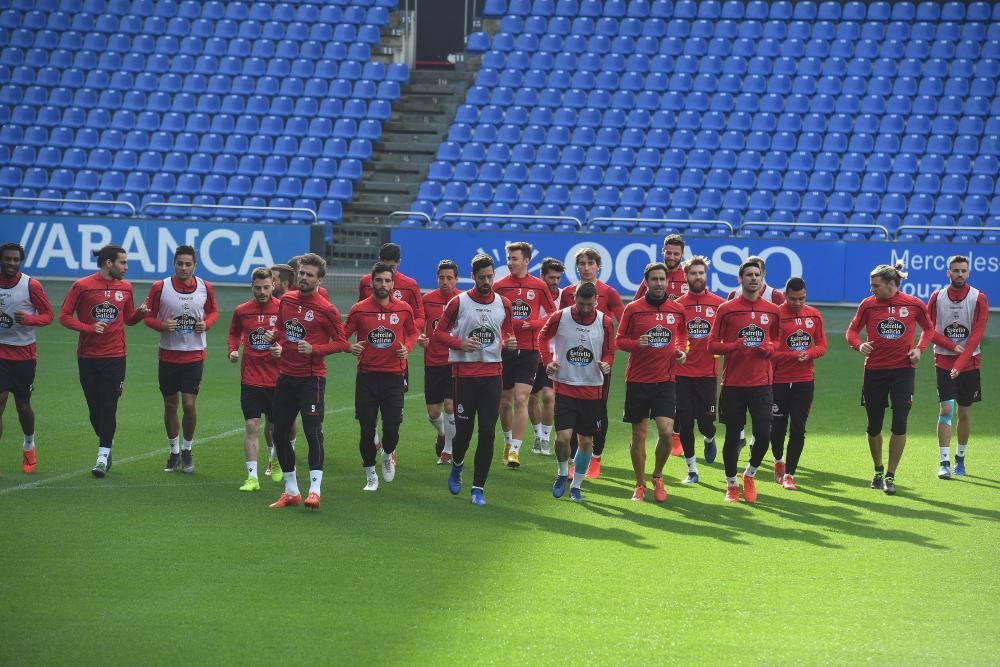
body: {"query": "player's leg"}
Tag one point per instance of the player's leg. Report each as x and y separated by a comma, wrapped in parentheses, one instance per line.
(311, 406)
(684, 421)
(435, 415)
(662, 407)
(535, 415)
(901, 397)
(705, 414)
(947, 389)
(875, 399)
(759, 403)
(3, 408)
(601, 434)
(390, 406)
(799, 407)
(251, 451)
(522, 391)
(111, 382)
(507, 400)
(449, 426)
(488, 412)
(22, 386)
(587, 426)
(780, 410)
(465, 397)
(285, 413)
(169, 389)
(548, 415)
(565, 422)
(969, 391)
(90, 384)
(188, 424)
(434, 384)
(732, 411)
(366, 412)
(636, 413)
(273, 465)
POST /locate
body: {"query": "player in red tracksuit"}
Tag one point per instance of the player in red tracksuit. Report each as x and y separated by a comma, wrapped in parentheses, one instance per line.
(531, 304)
(890, 319)
(258, 371)
(385, 332)
(24, 306)
(437, 369)
(99, 306)
(802, 340)
(745, 332)
(404, 288)
(308, 329)
(653, 331)
(542, 412)
(673, 258)
(960, 312)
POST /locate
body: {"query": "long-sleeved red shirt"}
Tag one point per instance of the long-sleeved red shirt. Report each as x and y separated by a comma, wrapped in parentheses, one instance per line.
(404, 288)
(249, 326)
(677, 285)
(966, 361)
(442, 333)
(700, 311)
(549, 331)
(96, 299)
(891, 327)
(666, 326)
(312, 318)
(383, 329)
(153, 321)
(43, 317)
(745, 333)
(530, 302)
(800, 332)
(609, 301)
(436, 352)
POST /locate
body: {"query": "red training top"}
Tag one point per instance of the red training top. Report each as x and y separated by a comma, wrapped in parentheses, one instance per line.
(677, 285)
(96, 299)
(800, 332)
(548, 332)
(891, 327)
(965, 361)
(44, 317)
(249, 326)
(383, 329)
(745, 333)
(404, 288)
(311, 318)
(442, 334)
(666, 327)
(700, 311)
(153, 321)
(530, 302)
(436, 352)
(609, 301)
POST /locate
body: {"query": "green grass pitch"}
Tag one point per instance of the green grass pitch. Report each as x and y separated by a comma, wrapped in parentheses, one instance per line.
(147, 567)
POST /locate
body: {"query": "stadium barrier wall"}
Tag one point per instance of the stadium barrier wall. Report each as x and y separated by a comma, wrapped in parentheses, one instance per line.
(835, 271)
(60, 246)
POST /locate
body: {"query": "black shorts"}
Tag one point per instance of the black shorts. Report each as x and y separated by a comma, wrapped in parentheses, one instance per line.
(696, 398)
(184, 378)
(294, 395)
(649, 400)
(542, 380)
(438, 384)
(256, 401)
(376, 393)
(888, 388)
(17, 377)
(966, 389)
(580, 414)
(735, 402)
(519, 367)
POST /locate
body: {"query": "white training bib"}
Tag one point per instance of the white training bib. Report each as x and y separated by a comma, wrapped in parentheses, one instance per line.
(186, 310)
(483, 322)
(954, 319)
(13, 300)
(578, 349)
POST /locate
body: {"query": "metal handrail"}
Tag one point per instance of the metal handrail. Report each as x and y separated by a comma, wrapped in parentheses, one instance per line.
(418, 214)
(60, 200)
(963, 228)
(591, 221)
(514, 216)
(287, 209)
(838, 225)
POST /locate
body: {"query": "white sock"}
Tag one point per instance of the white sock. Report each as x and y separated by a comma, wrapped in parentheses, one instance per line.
(595, 456)
(187, 444)
(731, 481)
(710, 440)
(780, 460)
(537, 428)
(102, 454)
(750, 472)
(252, 469)
(270, 454)
(945, 453)
(563, 467)
(449, 430)
(315, 481)
(29, 442)
(507, 437)
(960, 449)
(578, 477)
(292, 443)
(692, 464)
(175, 445)
(743, 434)
(515, 446)
(291, 484)
(546, 432)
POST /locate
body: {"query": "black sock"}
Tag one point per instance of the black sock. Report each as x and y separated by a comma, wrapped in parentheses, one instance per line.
(879, 470)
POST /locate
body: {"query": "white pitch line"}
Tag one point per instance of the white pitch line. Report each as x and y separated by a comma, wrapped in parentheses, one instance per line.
(142, 457)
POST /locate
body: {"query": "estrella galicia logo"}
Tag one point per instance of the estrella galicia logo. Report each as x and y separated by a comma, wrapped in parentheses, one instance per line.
(105, 312)
(699, 328)
(6, 321)
(751, 335)
(185, 323)
(257, 339)
(956, 332)
(798, 341)
(659, 336)
(891, 328)
(294, 331)
(381, 337)
(579, 356)
(484, 335)
(520, 310)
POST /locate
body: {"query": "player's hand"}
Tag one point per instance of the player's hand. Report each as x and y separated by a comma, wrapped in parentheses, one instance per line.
(234, 356)
(357, 349)
(276, 351)
(143, 308)
(604, 366)
(19, 317)
(169, 325)
(269, 336)
(866, 349)
(511, 343)
(470, 345)
(644, 340)
(913, 355)
(423, 340)
(305, 347)
(552, 368)
(402, 352)
(803, 356)
(526, 324)
(960, 349)
(200, 327)
(764, 350)
(954, 373)
(99, 327)
(681, 356)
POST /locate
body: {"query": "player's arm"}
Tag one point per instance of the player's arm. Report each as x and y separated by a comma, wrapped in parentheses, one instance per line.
(820, 348)
(615, 304)
(925, 337)
(43, 315)
(715, 343)
(625, 340)
(410, 329)
(235, 336)
(419, 314)
(442, 334)
(337, 341)
(152, 319)
(608, 352)
(546, 308)
(682, 343)
(853, 333)
(67, 313)
(924, 322)
(507, 327)
(565, 299)
(545, 337)
(773, 335)
(211, 307)
(980, 318)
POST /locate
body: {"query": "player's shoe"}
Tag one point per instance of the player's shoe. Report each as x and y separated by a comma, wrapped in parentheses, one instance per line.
(559, 488)
(732, 494)
(444, 458)
(267, 470)
(878, 481)
(594, 469)
(173, 460)
(576, 495)
(692, 478)
(287, 500)
(100, 470)
(711, 451)
(546, 450)
(439, 445)
(29, 461)
(944, 472)
(639, 495)
(276, 474)
(455, 479)
(659, 490)
(678, 448)
(749, 489)
(388, 466)
(536, 447)
(187, 460)
(478, 498)
(506, 452)
(788, 483)
(252, 484)
(372, 483)
(513, 460)
(312, 500)
(960, 466)
(890, 485)
(779, 471)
